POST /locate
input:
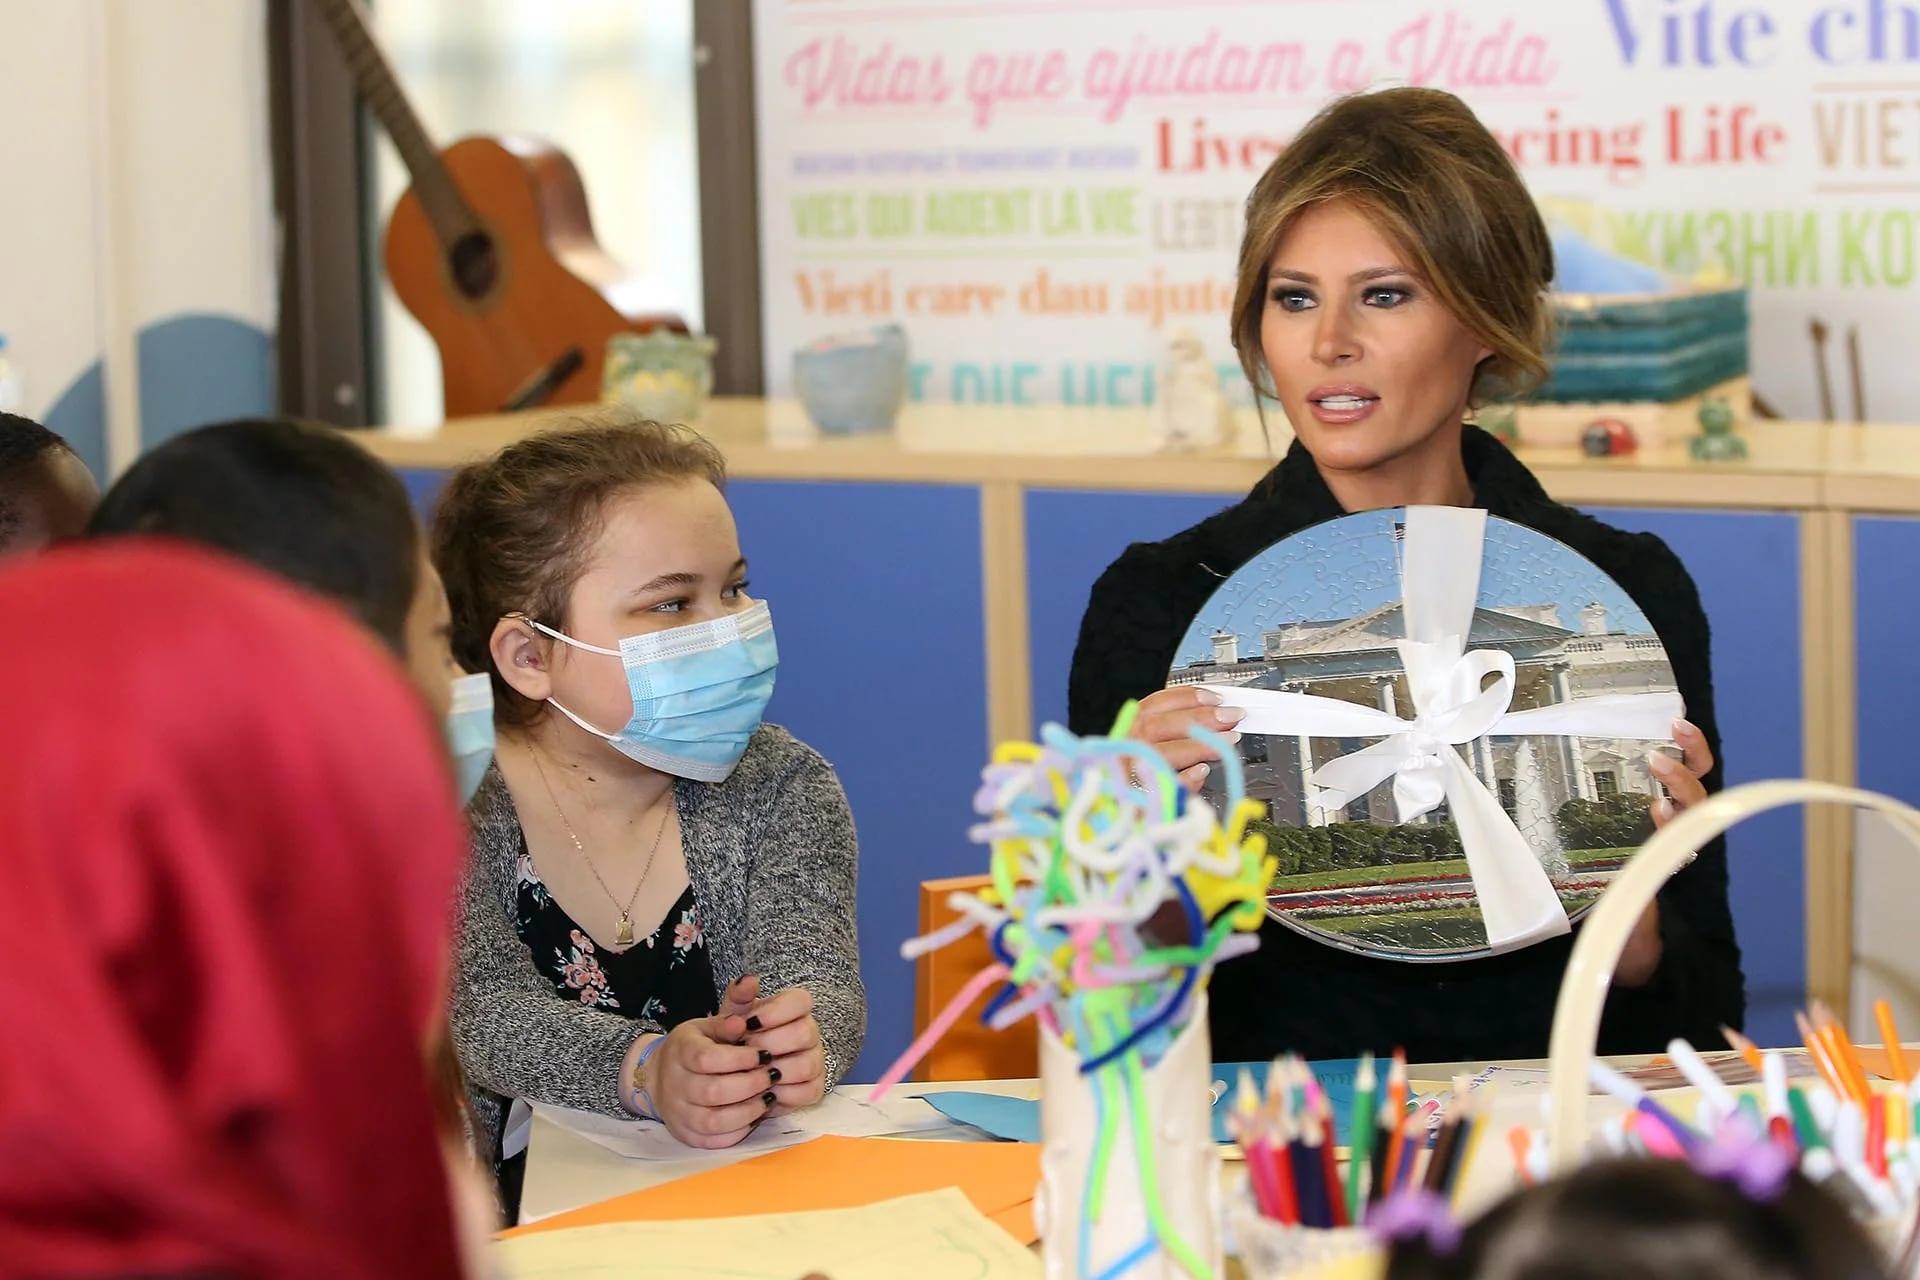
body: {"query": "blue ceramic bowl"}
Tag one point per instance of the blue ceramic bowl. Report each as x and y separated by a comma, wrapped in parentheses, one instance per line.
(853, 383)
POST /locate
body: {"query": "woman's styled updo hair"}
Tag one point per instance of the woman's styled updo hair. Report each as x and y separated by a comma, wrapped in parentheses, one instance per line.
(1639, 1218)
(1425, 171)
(513, 534)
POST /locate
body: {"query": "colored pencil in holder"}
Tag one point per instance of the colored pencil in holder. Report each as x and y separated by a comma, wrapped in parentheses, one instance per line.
(1817, 1050)
(1411, 1147)
(1469, 1149)
(1744, 1047)
(1389, 1171)
(1441, 1158)
(1846, 1060)
(1380, 1153)
(1330, 1162)
(1280, 1165)
(1360, 1134)
(1467, 1107)
(1890, 1041)
(1309, 1181)
(1243, 1120)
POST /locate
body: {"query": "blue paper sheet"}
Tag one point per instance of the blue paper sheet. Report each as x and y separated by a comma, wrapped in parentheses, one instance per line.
(1018, 1119)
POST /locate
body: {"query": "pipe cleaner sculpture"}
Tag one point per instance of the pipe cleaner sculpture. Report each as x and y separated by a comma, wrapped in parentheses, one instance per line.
(1114, 894)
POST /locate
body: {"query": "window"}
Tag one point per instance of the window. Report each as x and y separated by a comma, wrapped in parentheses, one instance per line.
(1253, 749)
(610, 83)
(1509, 798)
(1606, 784)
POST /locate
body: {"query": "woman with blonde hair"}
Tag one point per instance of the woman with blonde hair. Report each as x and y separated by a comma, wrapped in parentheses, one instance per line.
(1392, 276)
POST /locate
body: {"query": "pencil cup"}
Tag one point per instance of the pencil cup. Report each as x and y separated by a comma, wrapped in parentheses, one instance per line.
(1271, 1250)
(1603, 937)
(1168, 1204)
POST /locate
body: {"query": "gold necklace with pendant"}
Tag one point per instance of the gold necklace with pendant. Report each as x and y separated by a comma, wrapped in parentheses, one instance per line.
(623, 934)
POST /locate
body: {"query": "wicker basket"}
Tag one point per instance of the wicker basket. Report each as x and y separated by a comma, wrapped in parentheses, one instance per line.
(1603, 936)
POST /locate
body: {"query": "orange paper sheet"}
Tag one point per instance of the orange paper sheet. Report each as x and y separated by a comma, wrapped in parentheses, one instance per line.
(835, 1173)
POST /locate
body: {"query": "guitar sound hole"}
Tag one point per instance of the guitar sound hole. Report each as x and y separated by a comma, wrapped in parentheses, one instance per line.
(475, 266)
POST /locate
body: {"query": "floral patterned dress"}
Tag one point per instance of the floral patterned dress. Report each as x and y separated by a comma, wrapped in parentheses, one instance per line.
(665, 977)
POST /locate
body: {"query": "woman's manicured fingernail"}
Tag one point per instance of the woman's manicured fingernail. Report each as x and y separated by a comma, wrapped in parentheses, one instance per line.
(1681, 729)
(1663, 809)
(1200, 772)
(773, 1075)
(769, 1097)
(1227, 717)
(753, 1023)
(1207, 697)
(765, 1057)
(1660, 764)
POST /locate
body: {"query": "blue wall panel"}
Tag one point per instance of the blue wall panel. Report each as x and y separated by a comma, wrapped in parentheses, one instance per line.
(1747, 566)
(196, 369)
(871, 586)
(1072, 537)
(423, 486)
(1887, 621)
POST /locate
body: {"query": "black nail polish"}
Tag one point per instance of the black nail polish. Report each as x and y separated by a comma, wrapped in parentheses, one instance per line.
(773, 1075)
(753, 1023)
(767, 1097)
(765, 1057)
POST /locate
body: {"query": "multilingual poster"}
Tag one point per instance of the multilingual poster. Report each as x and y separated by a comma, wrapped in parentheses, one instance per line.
(1043, 191)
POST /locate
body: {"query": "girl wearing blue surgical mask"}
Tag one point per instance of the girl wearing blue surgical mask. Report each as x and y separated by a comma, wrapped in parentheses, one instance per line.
(659, 922)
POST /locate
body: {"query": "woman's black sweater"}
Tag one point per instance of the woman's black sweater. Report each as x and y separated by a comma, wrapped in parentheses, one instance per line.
(1297, 994)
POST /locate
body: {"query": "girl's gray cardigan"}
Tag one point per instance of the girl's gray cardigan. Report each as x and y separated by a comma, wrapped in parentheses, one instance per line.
(772, 857)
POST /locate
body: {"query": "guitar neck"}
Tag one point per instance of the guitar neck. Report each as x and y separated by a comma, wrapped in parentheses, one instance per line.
(374, 77)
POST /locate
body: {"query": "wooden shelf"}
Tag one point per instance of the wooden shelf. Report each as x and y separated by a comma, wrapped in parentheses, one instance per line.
(1796, 466)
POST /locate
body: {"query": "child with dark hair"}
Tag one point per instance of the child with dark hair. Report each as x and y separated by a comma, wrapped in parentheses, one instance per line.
(46, 492)
(305, 503)
(1638, 1218)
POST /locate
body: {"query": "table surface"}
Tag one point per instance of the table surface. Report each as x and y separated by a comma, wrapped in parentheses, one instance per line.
(566, 1171)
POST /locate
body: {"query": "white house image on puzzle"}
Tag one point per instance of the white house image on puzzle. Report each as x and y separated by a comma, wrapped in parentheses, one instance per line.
(1354, 659)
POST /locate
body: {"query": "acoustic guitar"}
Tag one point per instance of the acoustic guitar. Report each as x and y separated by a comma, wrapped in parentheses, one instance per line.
(492, 250)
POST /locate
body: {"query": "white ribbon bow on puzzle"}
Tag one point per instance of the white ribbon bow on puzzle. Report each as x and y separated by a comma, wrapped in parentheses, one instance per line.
(1440, 582)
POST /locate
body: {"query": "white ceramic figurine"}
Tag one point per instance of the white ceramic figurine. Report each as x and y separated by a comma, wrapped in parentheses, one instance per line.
(1194, 413)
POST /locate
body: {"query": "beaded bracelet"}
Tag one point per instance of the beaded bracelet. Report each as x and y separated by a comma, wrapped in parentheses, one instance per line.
(642, 1094)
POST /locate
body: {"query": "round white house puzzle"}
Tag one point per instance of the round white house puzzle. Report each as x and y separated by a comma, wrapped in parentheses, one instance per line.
(1449, 717)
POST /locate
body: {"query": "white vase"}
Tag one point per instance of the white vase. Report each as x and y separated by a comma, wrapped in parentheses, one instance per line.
(1186, 1161)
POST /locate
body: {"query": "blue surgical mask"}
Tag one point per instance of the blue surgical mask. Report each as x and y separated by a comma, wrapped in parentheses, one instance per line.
(470, 732)
(698, 691)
